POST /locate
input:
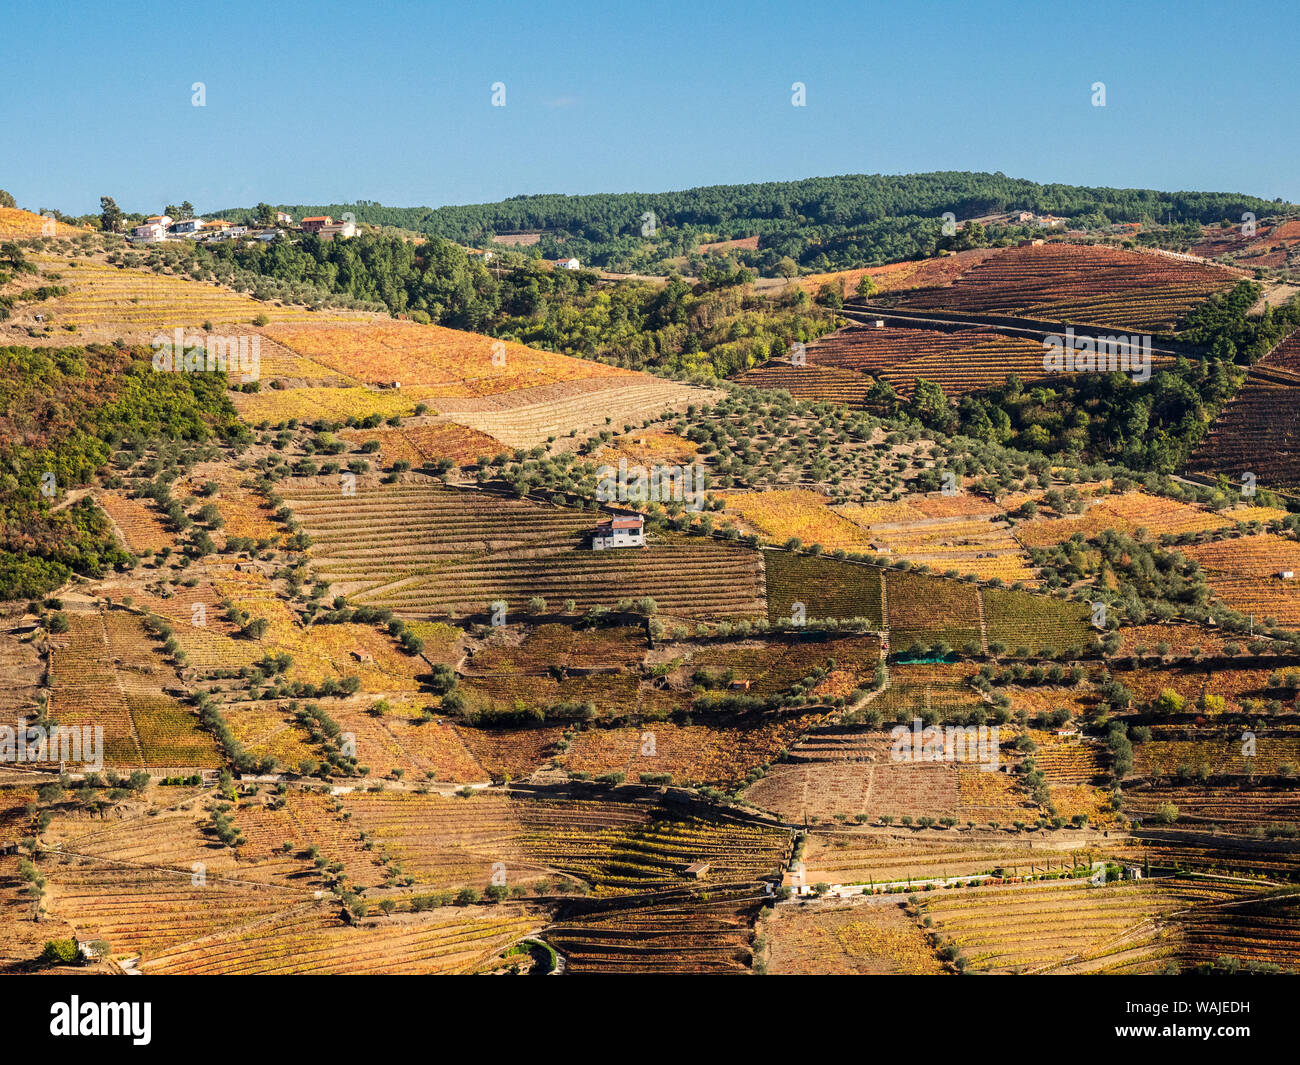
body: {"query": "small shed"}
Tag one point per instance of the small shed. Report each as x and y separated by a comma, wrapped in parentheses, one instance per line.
(696, 870)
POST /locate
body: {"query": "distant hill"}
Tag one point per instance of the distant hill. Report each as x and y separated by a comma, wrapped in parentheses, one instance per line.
(821, 223)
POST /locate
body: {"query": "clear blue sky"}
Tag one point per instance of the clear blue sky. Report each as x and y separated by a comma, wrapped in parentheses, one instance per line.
(328, 102)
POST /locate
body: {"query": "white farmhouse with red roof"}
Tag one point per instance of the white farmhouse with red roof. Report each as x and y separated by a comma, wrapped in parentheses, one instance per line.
(623, 530)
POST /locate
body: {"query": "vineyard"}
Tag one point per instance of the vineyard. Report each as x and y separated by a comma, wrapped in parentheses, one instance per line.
(711, 934)
(1256, 432)
(311, 939)
(960, 361)
(139, 526)
(572, 409)
(17, 224)
(105, 302)
(927, 610)
(437, 361)
(1245, 574)
(825, 587)
(1124, 514)
(1236, 809)
(420, 550)
(1077, 283)
(841, 856)
(105, 672)
(780, 514)
(717, 755)
(847, 939)
(426, 443)
(1045, 625)
(1068, 926)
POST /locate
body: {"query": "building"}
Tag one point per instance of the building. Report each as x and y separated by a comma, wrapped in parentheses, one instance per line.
(186, 228)
(217, 225)
(316, 223)
(1287, 574)
(283, 218)
(342, 230)
(568, 264)
(625, 530)
(163, 220)
(149, 232)
(696, 870)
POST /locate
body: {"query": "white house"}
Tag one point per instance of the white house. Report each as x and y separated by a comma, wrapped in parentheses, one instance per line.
(342, 230)
(283, 218)
(163, 220)
(149, 232)
(568, 264)
(626, 530)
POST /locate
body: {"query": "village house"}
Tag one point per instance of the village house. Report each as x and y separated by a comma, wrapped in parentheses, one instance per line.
(187, 227)
(316, 223)
(568, 264)
(149, 232)
(283, 218)
(217, 225)
(342, 230)
(627, 530)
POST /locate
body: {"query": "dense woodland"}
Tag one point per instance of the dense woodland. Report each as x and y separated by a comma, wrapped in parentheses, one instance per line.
(65, 412)
(817, 224)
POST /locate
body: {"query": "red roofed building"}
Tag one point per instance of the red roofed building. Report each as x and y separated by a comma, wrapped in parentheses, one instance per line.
(316, 223)
(624, 530)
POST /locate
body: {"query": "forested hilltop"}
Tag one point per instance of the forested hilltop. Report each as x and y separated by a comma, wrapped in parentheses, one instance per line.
(815, 224)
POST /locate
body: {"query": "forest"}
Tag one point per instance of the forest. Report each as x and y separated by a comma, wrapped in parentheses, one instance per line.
(817, 224)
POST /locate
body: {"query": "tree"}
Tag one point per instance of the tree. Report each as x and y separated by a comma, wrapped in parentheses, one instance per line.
(110, 215)
(6, 200)
(184, 211)
(60, 951)
(866, 286)
(264, 214)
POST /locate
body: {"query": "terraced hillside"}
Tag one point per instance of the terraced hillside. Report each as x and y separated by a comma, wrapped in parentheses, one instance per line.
(1086, 284)
(1257, 432)
(420, 550)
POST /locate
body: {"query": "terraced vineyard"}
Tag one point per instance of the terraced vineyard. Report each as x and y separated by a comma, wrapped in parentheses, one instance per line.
(927, 610)
(1262, 931)
(421, 550)
(105, 672)
(705, 936)
(1086, 284)
(1068, 926)
(1256, 432)
(312, 939)
(1246, 574)
(825, 587)
(1043, 624)
(1240, 809)
(841, 856)
(105, 302)
(571, 409)
(621, 858)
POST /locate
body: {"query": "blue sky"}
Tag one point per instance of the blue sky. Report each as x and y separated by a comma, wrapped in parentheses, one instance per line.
(328, 102)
